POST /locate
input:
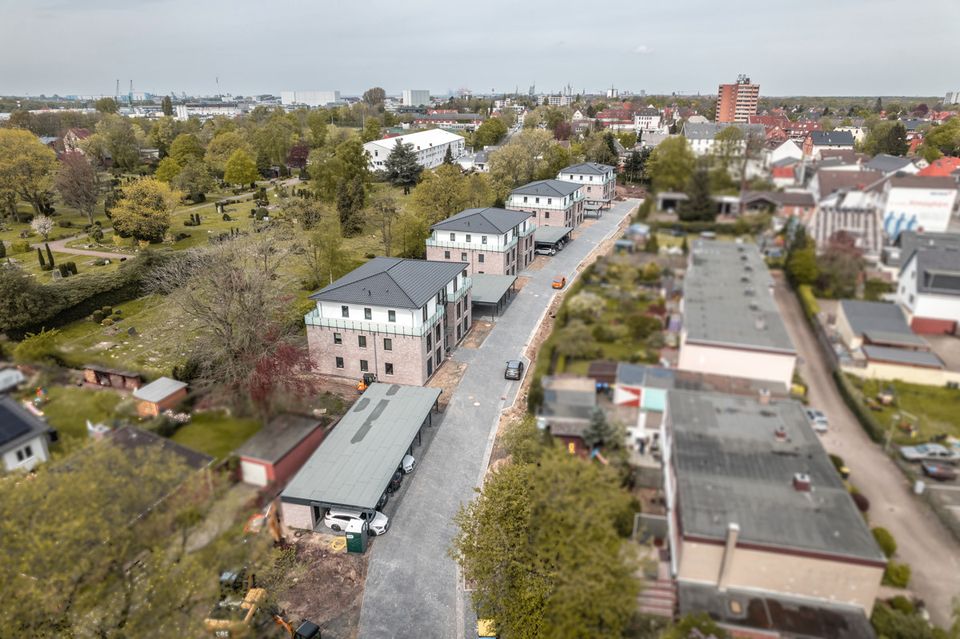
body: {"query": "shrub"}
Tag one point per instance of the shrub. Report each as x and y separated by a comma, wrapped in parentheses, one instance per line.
(3, 249)
(890, 623)
(897, 575)
(261, 213)
(885, 540)
(227, 218)
(370, 256)
(107, 310)
(808, 301)
(643, 326)
(72, 267)
(609, 333)
(180, 236)
(97, 316)
(902, 604)
(99, 262)
(64, 223)
(837, 462)
(118, 311)
(64, 271)
(850, 398)
(38, 348)
(863, 504)
(19, 246)
(107, 322)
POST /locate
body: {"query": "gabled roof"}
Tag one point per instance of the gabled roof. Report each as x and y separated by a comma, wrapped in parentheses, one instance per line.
(888, 163)
(17, 424)
(281, 435)
(789, 198)
(941, 167)
(938, 270)
(391, 281)
(831, 138)
(487, 220)
(588, 168)
(833, 181)
(881, 320)
(549, 188)
(709, 130)
(923, 182)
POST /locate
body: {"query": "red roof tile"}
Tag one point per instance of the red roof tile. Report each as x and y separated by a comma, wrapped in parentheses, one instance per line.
(941, 167)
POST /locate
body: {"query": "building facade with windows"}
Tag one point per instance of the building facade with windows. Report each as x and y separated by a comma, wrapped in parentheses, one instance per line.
(24, 437)
(599, 181)
(552, 202)
(430, 147)
(415, 97)
(393, 318)
(738, 101)
(491, 241)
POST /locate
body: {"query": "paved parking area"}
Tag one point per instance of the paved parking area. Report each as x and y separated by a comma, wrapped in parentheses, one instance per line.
(412, 587)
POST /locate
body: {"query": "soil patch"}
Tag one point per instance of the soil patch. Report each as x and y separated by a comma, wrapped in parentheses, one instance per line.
(538, 263)
(522, 281)
(447, 378)
(326, 587)
(478, 333)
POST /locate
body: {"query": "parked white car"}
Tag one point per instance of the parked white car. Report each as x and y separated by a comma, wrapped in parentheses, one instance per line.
(545, 250)
(337, 519)
(408, 464)
(817, 420)
(930, 452)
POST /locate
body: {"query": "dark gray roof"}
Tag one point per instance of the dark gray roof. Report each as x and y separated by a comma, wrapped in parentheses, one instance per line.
(709, 130)
(938, 270)
(391, 281)
(787, 198)
(923, 359)
(487, 220)
(588, 168)
(791, 617)
(549, 188)
(882, 317)
(731, 468)
(449, 116)
(888, 163)
(923, 182)
(551, 234)
(17, 424)
(490, 289)
(279, 437)
(355, 462)
(158, 390)
(831, 138)
(568, 404)
(727, 299)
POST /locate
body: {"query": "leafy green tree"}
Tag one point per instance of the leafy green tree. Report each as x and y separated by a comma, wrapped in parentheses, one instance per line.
(477, 191)
(700, 205)
(143, 210)
(351, 196)
(944, 138)
(120, 141)
(374, 96)
(520, 544)
(194, 181)
(802, 265)
(576, 340)
(695, 625)
(839, 267)
(489, 133)
(520, 160)
(326, 256)
(728, 147)
(222, 146)
(166, 105)
(886, 137)
(402, 168)
(555, 158)
(240, 169)
(186, 147)
(440, 194)
(600, 432)
(671, 165)
(371, 130)
(272, 139)
(634, 169)
(78, 184)
(317, 121)
(448, 157)
(106, 105)
(26, 168)
(167, 169)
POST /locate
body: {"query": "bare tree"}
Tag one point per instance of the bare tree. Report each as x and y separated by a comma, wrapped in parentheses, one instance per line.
(78, 184)
(384, 212)
(239, 306)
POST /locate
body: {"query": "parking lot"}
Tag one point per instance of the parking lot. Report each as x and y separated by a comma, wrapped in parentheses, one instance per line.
(413, 587)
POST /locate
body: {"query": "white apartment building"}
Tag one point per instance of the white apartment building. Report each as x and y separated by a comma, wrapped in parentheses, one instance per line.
(415, 97)
(491, 241)
(430, 146)
(648, 119)
(205, 110)
(309, 98)
(553, 202)
(598, 181)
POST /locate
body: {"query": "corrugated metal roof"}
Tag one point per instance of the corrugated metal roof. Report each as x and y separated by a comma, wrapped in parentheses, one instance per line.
(485, 220)
(391, 281)
(924, 359)
(866, 317)
(354, 464)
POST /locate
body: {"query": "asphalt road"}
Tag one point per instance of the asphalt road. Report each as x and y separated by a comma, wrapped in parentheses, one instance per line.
(922, 541)
(412, 587)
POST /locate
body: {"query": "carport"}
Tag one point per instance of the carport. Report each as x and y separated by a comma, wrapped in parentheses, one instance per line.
(551, 236)
(353, 466)
(492, 293)
(593, 209)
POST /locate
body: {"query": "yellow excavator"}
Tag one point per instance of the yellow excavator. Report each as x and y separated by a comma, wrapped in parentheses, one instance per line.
(248, 617)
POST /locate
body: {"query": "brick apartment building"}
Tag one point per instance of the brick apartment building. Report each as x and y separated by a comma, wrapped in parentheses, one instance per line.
(738, 101)
(599, 182)
(553, 202)
(490, 240)
(394, 318)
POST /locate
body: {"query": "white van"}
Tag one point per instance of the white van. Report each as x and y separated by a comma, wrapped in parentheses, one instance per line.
(337, 519)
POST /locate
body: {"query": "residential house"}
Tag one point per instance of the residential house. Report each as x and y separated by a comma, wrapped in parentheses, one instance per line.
(892, 165)
(702, 136)
(942, 167)
(648, 120)
(786, 150)
(393, 318)
(896, 254)
(928, 289)
(731, 323)
(599, 182)
(616, 119)
(24, 437)
(73, 139)
(754, 504)
(449, 120)
(159, 395)
(858, 131)
(800, 129)
(430, 148)
(798, 204)
(915, 203)
(553, 202)
(490, 240)
(817, 141)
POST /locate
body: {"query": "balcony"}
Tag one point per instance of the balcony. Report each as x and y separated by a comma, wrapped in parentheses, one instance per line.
(471, 246)
(460, 292)
(368, 326)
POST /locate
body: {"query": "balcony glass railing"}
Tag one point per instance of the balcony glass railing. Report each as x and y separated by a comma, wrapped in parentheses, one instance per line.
(368, 326)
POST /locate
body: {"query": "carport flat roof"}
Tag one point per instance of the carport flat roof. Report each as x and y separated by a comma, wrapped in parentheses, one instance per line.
(354, 464)
(551, 234)
(490, 289)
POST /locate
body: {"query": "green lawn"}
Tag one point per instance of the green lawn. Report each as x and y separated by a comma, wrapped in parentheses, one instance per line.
(69, 407)
(937, 408)
(216, 433)
(85, 264)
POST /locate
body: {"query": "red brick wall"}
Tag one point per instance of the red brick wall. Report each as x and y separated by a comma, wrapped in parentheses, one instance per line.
(289, 464)
(931, 326)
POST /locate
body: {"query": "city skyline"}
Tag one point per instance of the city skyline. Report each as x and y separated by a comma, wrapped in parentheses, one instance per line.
(255, 49)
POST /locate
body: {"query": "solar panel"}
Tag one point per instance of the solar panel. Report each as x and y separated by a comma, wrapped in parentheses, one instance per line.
(12, 424)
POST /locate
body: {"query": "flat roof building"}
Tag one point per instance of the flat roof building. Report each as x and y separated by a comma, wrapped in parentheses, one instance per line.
(430, 148)
(353, 466)
(755, 503)
(731, 323)
(737, 102)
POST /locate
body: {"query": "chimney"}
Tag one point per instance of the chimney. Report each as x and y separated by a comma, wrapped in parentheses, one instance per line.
(733, 532)
(801, 482)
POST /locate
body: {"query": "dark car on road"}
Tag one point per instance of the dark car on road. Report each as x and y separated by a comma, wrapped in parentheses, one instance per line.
(940, 472)
(514, 369)
(395, 482)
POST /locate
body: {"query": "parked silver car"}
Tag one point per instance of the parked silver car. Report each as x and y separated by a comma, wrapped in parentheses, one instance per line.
(817, 420)
(930, 452)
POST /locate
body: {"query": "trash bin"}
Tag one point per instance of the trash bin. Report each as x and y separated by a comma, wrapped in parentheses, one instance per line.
(918, 487)
(357, 536)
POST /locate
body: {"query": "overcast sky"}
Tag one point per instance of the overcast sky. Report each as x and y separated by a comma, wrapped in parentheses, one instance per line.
(817, 47)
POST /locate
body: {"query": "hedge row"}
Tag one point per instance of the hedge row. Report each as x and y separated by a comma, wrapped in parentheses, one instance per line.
(741, 227)
(808, 301)
(851, 398)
